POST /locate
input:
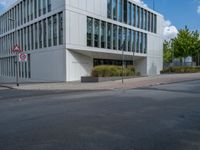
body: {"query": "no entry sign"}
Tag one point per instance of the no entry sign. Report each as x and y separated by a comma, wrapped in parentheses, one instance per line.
(22, 57)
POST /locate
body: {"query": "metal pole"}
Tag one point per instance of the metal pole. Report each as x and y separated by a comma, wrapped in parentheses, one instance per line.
(17, 63)
(122, 65)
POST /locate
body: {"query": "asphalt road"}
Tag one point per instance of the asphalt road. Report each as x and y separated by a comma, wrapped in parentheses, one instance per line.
(165, 117)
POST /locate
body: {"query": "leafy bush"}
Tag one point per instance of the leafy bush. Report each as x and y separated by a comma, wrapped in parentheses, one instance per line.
(181, 70)
(112, 71)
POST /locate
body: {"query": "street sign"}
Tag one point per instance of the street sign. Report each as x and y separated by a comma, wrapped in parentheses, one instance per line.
(22, 57)
(17, 49)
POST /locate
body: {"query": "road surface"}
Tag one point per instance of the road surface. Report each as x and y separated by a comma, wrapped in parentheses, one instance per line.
(164, 117)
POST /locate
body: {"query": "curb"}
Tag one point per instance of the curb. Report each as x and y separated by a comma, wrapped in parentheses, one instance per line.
(8, 87)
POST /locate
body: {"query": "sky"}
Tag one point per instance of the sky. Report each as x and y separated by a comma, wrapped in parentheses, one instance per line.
(177, 13)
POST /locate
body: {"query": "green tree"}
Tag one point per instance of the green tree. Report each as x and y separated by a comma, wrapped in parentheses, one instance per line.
(167, 52)
(182, 43)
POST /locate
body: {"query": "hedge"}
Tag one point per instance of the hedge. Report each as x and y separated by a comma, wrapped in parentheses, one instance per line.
(112, 71)
(181, 70)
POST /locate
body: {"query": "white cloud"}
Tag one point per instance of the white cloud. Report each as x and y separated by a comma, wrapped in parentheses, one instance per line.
(141, 3)
(198, 9)
(170, 31)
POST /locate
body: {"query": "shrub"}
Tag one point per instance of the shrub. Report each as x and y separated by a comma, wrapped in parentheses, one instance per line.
(181, 70)
(112, 71)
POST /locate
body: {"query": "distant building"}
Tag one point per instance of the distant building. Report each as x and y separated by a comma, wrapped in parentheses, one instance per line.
(65, 39)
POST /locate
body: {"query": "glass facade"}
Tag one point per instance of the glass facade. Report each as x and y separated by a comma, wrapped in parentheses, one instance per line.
(115, 37)
(131, 14)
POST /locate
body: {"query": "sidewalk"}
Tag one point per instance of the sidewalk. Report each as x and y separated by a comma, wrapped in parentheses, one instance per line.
(128, 83)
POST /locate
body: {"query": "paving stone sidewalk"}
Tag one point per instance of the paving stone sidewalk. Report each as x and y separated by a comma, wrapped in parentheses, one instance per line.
(111, 85)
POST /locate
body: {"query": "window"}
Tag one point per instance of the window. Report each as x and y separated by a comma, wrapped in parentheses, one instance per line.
(152, 22)
(120, 10)
(124, 39)
(138, 16)
(89, 31)
(49, 5)
(155, 24)
(109, 8)
(61, 28)
(44, 33)
(133, 41)
(29, 66)
(35, 10)
(129, 40)
(141, 18)
(103, 34)
(36, 36)
(114, 37)
(109, 36)
(114, 9)
(28, 37)
(141, 42)
(149, 21)
(96, 32)
(125, 11)
(55, 30)
(145, 43)
(40, 34)
(49, 31)
(145, 20)
(25, 46)
(32, 43)
(137, 41)
(133, 15)
(40, 7)
(44, 6)
(129, 13)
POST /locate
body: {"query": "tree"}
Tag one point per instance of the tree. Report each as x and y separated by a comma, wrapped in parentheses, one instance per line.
(167, 50)
(186, 43)
(182, 43)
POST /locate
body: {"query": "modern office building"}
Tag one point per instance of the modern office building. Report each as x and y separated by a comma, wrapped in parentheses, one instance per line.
(65, 39)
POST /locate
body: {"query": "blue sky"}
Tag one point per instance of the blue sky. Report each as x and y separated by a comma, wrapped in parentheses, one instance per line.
(179, 12)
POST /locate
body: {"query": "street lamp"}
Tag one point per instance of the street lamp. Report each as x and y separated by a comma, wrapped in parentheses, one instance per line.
(15, 39)
(122, 49)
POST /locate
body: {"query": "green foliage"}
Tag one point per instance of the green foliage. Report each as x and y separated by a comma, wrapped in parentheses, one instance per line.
(181, 70)
(167, 50)
(186, 43)
(112, 71)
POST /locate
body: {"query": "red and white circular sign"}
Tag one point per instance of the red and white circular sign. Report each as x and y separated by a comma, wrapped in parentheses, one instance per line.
(22, 57)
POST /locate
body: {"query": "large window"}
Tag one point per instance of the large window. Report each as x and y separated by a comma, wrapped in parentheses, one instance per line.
(103, 34)
(125, 10)
(114, 9)
(89, 31)
(44, 6)
(114, 37)
(129, 13)
(44, 33)
(40, 34)
(60, 15)
(129, 40)
(109, 8)
(109, 35)
(36, 36)
(133, 41)
(120, 38)
(49, 31)
(96, 32)
(133, 15)
(49, 5)
(124, 39)
(120, 10)
(55, 30)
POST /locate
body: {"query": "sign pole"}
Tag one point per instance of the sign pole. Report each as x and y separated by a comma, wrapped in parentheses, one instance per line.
(15, 40)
